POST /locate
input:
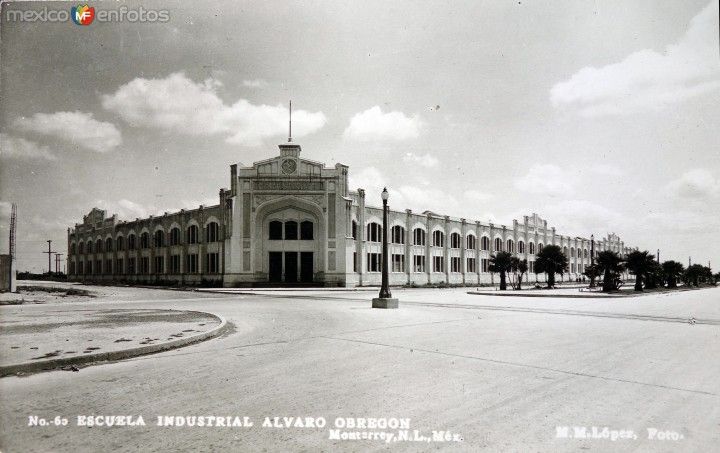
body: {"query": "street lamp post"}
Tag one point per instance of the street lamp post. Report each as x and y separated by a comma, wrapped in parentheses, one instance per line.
(385, 299)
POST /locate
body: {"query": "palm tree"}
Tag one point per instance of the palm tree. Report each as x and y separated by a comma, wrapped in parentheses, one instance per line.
(694, 274)
(654, 275)
(639, 263)
(592, 272)
(611, 265)
(672, 271)
(518, 268)
(501, 263)
(551, 260)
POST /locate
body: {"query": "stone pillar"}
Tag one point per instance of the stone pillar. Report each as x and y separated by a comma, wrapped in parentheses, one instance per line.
(408, 246)
(463, 245)
(446, 249)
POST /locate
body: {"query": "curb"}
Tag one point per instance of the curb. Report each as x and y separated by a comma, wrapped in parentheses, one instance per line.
(52, 364)
(562, 296)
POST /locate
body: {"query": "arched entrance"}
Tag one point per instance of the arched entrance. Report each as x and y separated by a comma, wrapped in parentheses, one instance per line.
(290, 231)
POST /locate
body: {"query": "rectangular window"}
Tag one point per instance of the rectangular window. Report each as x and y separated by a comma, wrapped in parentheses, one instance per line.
(98, 267)
(373, 262)
(145, 265)
(419, 263)
(398, 263)
(471, 265)
(455, 264)
(531, 267)
(132, 269)
(212, 263)
(174, 264)
(438, 264)
(119, 266)
(355, 266)
(108, 267)
(484, 265)
(159, 264)
(191, 263)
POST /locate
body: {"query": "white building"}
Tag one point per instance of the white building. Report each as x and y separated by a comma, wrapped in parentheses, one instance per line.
(287, 220)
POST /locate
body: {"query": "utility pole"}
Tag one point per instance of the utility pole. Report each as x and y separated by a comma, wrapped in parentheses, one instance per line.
(13, 227)
(49, 253)
(658, 256)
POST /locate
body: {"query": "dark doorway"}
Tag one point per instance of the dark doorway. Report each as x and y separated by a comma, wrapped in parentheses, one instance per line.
(291, 267)
(306, 267)
(275, 266)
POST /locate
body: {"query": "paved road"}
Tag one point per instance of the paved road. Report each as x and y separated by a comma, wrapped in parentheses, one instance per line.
(503, 373)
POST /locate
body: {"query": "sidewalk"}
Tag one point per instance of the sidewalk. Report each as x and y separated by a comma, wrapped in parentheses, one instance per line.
(51, 337)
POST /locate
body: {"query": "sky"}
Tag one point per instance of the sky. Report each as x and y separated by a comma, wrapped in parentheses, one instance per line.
(599, 116)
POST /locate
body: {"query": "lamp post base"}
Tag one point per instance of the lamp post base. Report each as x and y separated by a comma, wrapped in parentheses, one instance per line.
(384, 302)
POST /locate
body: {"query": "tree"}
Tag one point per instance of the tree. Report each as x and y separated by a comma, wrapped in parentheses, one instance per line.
(611, 265)
(694, 274)
(592, 272)
(519, 268)
(501, 263)
(672, 272)
(654, 276)
(639, 263)
(551, 260)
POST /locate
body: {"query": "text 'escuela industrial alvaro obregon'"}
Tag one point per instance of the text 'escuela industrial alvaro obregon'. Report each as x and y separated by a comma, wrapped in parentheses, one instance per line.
(288, 220)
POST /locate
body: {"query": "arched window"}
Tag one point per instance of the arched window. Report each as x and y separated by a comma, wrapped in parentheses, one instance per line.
(531, 248)
(275, 230)
(175, 236)
(397, 235)
(145, 240)
(108, 245)
(540, 247)
(98, 246)
(572, 252)
(438, 239)
(418, 236)
(119, 243)
(354, 230)
(159, 238)
(374, 232)
(521, 247)
(306, 230)
(485, 243)
(192, 234)
(585, 253)
(291, 230)
(498, 245)
(212, 232)
(471, 243)
(89, 247)
(132, 242)
(455, 240)
(510, 246)
(565, 251)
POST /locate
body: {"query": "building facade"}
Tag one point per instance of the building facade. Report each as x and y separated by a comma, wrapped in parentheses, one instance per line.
(292, 221)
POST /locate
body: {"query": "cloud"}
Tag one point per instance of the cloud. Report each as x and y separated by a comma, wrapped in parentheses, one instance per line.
(544, 179)
(126, 209)
(426, 160)
(373, 124)
(648, 80)
(23, 149)
(178, 104)
(78, 128)
(697, 184)
(255, 83)
(476, 196)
